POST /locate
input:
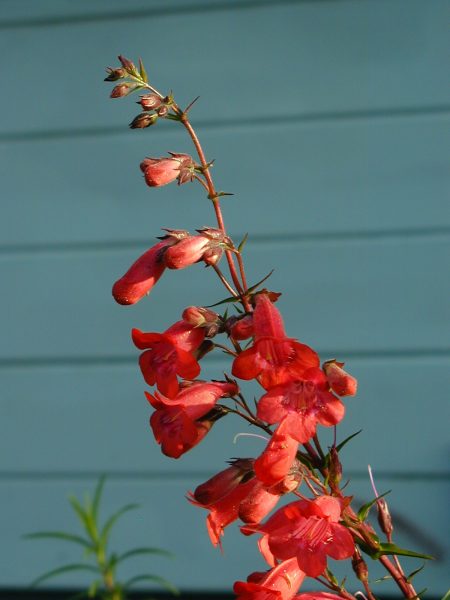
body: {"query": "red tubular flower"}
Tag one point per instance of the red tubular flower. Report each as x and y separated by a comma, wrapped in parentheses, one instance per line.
(274, 359)
(161, 171)
(236, 493)
(186, 252)
(340, 382)
(280, 583)
(142, 275)
(308, 530)
(181, 423)
(241, 329)
(301, 404)
(169, 354)
(317, 596)
(278, 458)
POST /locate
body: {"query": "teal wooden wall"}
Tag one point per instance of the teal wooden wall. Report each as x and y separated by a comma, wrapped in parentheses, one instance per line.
(328, 121)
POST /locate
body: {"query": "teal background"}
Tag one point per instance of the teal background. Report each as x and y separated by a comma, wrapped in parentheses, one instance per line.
(327, 119)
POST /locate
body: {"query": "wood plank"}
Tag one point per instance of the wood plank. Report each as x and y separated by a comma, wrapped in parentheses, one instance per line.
(366, 176)
(45, 411)
(317, 57)
(167, 520)
(387, 298)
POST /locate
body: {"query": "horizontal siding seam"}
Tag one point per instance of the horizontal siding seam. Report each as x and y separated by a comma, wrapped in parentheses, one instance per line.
(219, 124)
(52, 249)
(140, 13)
(57, 362)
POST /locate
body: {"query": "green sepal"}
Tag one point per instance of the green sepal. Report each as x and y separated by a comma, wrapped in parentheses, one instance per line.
(60, 535)
(142, 71)
(62, 570)
(365, 508)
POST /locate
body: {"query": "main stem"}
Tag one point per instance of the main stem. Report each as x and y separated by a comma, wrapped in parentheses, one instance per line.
(214, 197)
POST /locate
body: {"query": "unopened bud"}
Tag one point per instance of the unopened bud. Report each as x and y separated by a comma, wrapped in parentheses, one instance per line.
(213, 255)
(150, 102)
(384, 517)
(340, 382)
(121, 90)
(114, 74)
(143, 120)
(359, 566)
(335, 468)
(240, 329)
(198, 316)
(127, 65)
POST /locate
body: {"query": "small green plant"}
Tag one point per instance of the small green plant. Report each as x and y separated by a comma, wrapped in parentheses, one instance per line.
(96, 557)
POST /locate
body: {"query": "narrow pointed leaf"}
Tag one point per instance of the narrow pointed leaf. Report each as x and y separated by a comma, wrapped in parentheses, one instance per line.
(60, 535)
(156, 579)
(446, 596)
(97, 497)
(62, 570)
(365, 508)
(393, 549)
(113, 519)
(78, 509)
(142, 71)
(342, 444)
(242, 244)
(225, 301)
(140, 551)
(253, 287)
(414, 573)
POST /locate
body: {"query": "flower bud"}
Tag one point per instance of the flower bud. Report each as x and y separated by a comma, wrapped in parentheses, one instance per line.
(359, 566)
(198, 316)
(150, 102)
(128, 65)
(114, 74)
(335, 468)
(123, 89)
(384, 517)
(161, 171)
(142, 275)
(186, 252)
(224, 482)
(340, 382)
(241, 329)
(162, 111)
(143, 120)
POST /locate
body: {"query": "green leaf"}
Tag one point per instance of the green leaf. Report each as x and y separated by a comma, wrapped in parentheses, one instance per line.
(365, 508)
(156, 579)
(342, 444)
(225, 301)
(112, 520)
(97, 497)
(253, 287)
(419, 594)
(393, 549)
(243, 242)
(60, 535)
(79, 510)
(139, 551)
(62, 570)
(142, 71)
(446, 596)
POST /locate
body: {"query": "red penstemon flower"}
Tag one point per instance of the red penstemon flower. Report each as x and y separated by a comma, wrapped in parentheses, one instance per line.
(280, 583)
(178, 424)
(169, 354)
(301, 404)
(308, 530)
(274, 359)
(161, 171)
(278, 458)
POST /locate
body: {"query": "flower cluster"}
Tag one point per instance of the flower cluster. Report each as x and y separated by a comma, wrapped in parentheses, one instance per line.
(299, 395)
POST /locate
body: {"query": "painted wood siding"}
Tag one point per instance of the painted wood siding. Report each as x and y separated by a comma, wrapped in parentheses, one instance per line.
(329, 121)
